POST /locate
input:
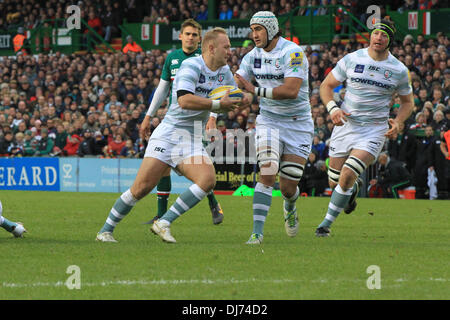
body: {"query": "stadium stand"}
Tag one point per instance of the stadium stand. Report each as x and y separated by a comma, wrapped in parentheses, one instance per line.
(56, 101)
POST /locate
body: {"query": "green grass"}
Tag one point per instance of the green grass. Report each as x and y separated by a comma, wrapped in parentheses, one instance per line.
(407, 239)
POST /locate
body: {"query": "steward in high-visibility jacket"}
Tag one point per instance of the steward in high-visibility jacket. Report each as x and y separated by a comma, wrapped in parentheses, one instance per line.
(131, 46)
(19, 40)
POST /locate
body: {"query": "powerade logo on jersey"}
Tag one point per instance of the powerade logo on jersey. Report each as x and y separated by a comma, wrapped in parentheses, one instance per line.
(202, 90)
(359, 68)
(372, 83)
(257, 63)
(201, 79)
(269, 76)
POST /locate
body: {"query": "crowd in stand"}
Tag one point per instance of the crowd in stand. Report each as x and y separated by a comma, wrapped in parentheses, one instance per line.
(92, 104)
(106, 15)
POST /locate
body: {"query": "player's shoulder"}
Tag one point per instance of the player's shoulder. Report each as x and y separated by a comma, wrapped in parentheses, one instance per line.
(396, 63)
(288, 46)
(174, 54)
(196, 62)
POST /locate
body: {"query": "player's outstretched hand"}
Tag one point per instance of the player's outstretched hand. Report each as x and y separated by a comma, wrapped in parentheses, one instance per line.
(393, 130)
(339, 117)
(244, 84)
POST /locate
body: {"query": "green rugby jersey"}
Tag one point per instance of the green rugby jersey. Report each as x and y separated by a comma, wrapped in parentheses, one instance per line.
(173, 63)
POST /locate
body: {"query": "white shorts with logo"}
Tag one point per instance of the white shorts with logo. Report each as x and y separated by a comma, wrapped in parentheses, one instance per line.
(353, 135)
(172, 145)
(285, 136)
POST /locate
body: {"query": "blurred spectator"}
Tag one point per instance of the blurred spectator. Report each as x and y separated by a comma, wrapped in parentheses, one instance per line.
(202, 14)
(87, 145)
(225, 13)
(129, 150)
(131, 46)
(115, 146)
(45, 145)
(392, 176)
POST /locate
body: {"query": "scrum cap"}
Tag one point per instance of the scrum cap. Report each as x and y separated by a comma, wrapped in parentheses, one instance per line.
(268, 20)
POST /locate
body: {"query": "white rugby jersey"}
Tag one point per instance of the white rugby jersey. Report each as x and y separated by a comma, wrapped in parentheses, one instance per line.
(286, 60)
(194, 76)
(370, 84)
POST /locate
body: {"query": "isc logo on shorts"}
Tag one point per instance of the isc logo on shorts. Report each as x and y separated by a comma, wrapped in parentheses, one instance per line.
(159, 149)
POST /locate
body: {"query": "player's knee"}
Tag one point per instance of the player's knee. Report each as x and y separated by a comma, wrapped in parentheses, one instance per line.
(140, 190)
(354, 168)
(289, 190)
(207, 183)
(333, 177)
(268, 160)
(291, 170)
(355, 165)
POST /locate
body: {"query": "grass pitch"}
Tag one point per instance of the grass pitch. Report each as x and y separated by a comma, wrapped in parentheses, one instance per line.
(406, 239)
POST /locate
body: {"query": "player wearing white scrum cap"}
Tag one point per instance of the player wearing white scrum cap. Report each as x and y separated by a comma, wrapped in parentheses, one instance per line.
(284, 127)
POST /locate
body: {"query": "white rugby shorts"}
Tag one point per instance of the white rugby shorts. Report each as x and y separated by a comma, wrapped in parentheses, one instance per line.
(353, 135)
(174, 145)
(285, 136)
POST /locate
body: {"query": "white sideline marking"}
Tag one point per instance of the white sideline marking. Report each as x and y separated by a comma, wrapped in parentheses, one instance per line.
(194, 281)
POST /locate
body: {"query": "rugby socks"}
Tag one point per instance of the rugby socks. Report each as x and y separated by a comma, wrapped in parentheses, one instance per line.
(212, 199)
(163, 192)
(262, 199)
(187, 200)
(339, 199)
(289, 203)
(6, 224)
(121, 208)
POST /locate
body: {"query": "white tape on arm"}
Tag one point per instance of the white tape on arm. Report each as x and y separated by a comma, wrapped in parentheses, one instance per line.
(332, 107)
(160, 94)
(264, 92)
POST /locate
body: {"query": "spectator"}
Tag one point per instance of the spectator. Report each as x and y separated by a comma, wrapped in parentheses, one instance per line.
(45, 145)
(202, 14)
(72, 143)
(5, 144)
(99, 143)
(392, 176)
(87, 145)
(131, 46)
(424, 161)
(115, 146)
(225, 11)
(129, 150)
(19, 41)
(246, 12)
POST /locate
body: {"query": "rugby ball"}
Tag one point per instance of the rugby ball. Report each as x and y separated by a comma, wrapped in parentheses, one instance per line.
(219, 92)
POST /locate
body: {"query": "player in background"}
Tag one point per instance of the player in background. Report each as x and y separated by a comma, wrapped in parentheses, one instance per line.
(176, 142)
(16, 228)
(372, 75)
(284, 127)
(190, 35)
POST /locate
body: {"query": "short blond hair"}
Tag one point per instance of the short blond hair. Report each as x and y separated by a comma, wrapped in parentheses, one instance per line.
(211, 35)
